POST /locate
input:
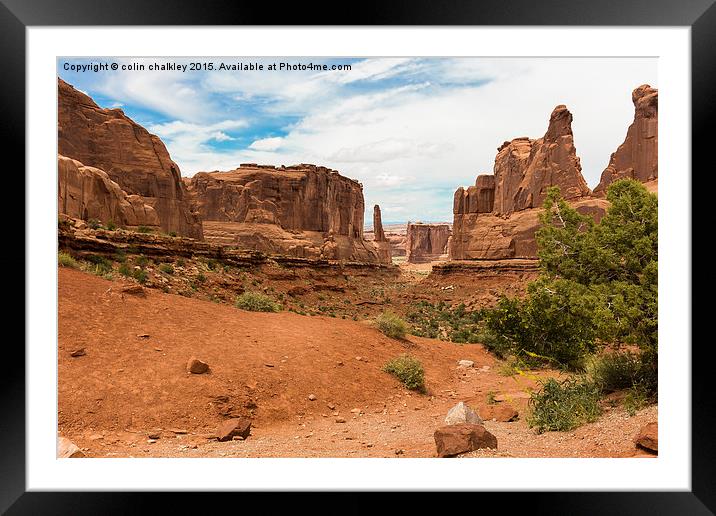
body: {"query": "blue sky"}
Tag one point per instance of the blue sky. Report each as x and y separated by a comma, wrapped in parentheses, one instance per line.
(411, 130)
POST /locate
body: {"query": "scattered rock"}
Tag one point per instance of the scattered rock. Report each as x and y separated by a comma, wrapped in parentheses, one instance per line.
(400, 452)
(312, 397)
(461, 413)
(465, 363)
(196, 366)
(502, 412)
(648, 437)
(268, 365)
(143, 336)
(452, 440)
(331, 406)
(134, 290)
(66, 449)
(237, 438)
(240, 426)
(78, 352)
(154, 435)
(178, 431)
(340, 420)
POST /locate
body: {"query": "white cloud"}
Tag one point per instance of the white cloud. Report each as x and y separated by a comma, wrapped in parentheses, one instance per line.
(267, 144)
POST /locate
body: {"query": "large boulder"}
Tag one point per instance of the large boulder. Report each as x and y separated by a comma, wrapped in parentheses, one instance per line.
(462, 413)
(637, 157)
(453, 440)
(133, 158)
(234, 427)
(648, 437)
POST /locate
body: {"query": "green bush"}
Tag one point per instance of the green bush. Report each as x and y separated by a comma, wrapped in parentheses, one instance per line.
(66, 260)
(111, 226)
(564, 406)
(125, 270)
(140, 275)
(615, 371)
(392, 325)
(166, 268)
(144, 229)
(94, 224)
(598, 283)
(257, 302)
(408, 370)
(99, 265)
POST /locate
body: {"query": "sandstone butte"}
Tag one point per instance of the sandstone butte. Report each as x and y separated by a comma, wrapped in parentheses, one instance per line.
(306, 211)
(137, 161)
(426, 242)
(380, 241)
(498, 216)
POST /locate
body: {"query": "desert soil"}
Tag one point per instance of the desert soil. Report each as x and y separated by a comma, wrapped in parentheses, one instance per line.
(132, 383)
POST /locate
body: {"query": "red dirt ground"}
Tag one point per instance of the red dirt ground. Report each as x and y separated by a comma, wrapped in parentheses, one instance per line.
(132, 383)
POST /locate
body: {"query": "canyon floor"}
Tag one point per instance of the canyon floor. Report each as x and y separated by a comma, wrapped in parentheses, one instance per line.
(129, 394)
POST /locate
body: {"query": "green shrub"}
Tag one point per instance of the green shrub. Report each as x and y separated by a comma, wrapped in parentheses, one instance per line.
(392, 325)
(408, 370)
(181, 262)
(201, 278)
(144, 229)
(111, 226)
(142, 260)
(140, 275)
(66, 260)
(614, 371)
(166, 268)
(172, 234)
(564, 406)
(125, 270)
(94, 224)
(257, 302)
(636, 398)
(99, 265)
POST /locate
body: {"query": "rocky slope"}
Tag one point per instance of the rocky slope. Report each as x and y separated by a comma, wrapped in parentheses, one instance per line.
(303, 210)
(497, 217)
(426, 242)
(130, 156)
(637, 157)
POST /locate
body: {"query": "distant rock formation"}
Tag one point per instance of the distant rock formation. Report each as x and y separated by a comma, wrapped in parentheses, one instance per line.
(380, 241)
(88, 193)
(132, 157)
(637, 157)
(303, 210)
(426, 242)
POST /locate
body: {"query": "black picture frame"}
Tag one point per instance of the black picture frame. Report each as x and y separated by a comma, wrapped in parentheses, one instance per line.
(17, 15)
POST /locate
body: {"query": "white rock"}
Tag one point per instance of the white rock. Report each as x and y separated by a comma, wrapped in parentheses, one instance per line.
(461, 413)
(67, 449)
(466, 363)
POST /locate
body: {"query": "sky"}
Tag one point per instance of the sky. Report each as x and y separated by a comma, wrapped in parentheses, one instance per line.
(411, 130)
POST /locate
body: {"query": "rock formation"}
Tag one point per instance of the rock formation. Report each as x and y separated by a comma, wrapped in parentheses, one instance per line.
(525, 169)
(426, 242)
(88, 193)
(379, 239)
(497, 217)
(637, 157)
(303, 210)
(132, 157)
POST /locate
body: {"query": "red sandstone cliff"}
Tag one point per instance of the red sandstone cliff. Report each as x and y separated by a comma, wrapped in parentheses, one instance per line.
(637, 157)
(88, 193)
(426, 242)
(380, 241)
(132, 157)
(302, 210)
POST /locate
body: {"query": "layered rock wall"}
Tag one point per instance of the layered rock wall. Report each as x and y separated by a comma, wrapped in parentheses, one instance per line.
(302, 210)
(426, 242)
(132, 157)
